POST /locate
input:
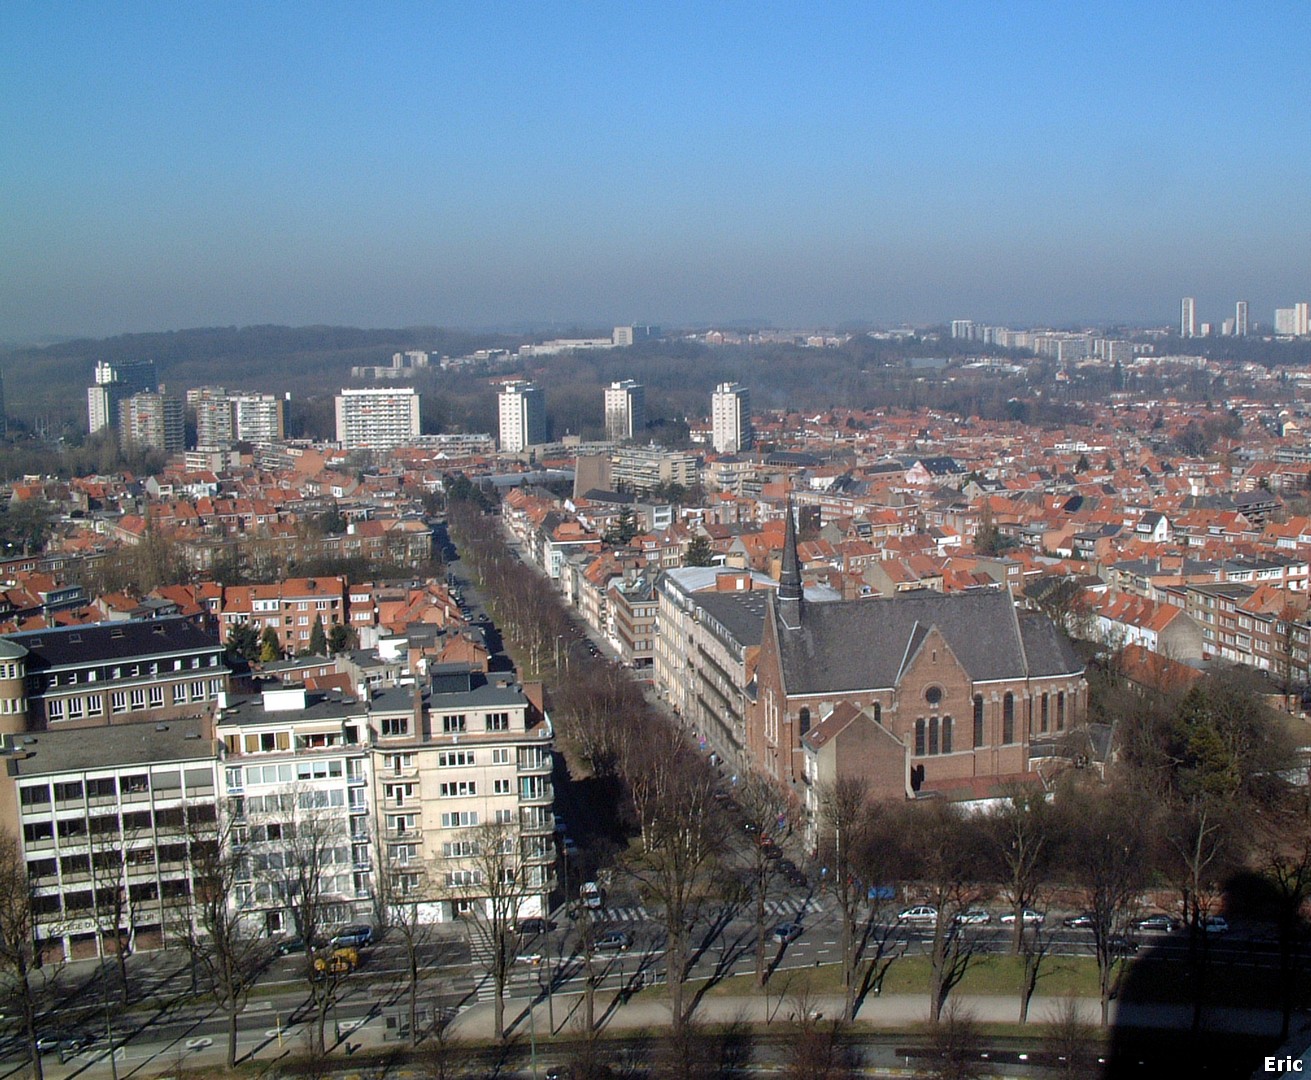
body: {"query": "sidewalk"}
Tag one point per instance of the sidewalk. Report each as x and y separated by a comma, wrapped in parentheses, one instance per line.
(650, 1011)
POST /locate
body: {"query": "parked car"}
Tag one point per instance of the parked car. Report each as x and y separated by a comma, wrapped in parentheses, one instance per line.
(1158, 924)
(920, 915)
(973, 917)
(1215, 924)
(288, 946)
(592, 896)
(353, 937)
(531, 958)
(614, 941)
(534, 924)
(1080, 922)
(788, 931)
(1029, 917)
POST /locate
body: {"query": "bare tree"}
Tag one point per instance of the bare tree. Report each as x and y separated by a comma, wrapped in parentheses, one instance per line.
(956, 1043)
(1073, 1040)
(947, 847)
(495, 880)
(858, 849)
(401, 895)
(677, 863)
(1017, 833)
(1107, 859)
(769, 816)
(298, 854)
(25, 920)
(108, 851)
(216, 927)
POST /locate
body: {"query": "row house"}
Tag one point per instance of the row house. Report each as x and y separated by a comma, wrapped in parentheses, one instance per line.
(1121, 619)
(632, 604)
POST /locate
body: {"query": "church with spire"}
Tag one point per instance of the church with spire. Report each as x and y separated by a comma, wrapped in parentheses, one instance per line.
(918, 693)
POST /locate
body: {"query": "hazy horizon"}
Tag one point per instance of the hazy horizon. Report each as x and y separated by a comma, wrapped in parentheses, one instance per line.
(408, 165)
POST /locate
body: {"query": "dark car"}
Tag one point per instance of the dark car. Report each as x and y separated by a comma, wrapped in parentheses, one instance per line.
(352, 937)
(614, 941)
(290, 945)
(788, 931)
(1160, 924)
(534, 924)
(1080, 922)
(1120, 945)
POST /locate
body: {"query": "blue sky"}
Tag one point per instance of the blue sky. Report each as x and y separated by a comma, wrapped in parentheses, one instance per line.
(172, 165)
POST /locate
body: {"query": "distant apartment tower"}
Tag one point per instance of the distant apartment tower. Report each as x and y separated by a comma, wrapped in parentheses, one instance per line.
(116, 380)
(1292, 321)
(1240, 319)
(624, 336)
(962, 328)
(378, 418)
(4, 422)
(730, 418)
(223, 418)
(154, 421)
(522, 410)
(258, 418)
(625, 410)
(1188, 317)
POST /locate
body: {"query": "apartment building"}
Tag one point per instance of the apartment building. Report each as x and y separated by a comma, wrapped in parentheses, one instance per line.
(288, 607)
(522, 413)
(377, 418)
(709, 624)
(730, 417)
(154, 421)
(112, 673)
(475, 761)
(106, 825)
(625, 410)
(642, 469)
(297, 778)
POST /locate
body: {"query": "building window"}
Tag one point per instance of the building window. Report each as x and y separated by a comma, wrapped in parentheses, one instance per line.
(395, 725)
(498, 721)
(156, 697)
(500, 755)
(878, 713)
(458, 789)
(118, 701)
(1060, 710)
(919, 737)
(502, 787)
(456, 819)
(55, 709)
(448, 759)
(933, 695)
(933, 735)
(504, 817)
(453, 724)
(1008, 718)
(946, 734)
(1042, 719)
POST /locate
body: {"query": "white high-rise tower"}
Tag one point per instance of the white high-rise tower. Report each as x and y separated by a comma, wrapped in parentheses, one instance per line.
(730, 416)
(1188, 318)
(522, 410)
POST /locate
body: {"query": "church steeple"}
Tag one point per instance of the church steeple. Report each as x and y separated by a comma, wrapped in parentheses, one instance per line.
(789, 578)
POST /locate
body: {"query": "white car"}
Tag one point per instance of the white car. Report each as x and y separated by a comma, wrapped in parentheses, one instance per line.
(920, 915)
(973, 917)
(1028, 916)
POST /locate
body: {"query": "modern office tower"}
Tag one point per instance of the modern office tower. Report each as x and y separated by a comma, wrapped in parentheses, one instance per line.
(152, 420)
(116, 380)
(625, 410)
(1188, 318)
(1240, 319)
(730, 416)
(377, 418)
(522, 411)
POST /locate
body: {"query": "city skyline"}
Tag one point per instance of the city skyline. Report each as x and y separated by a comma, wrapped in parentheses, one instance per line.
(244, 165)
